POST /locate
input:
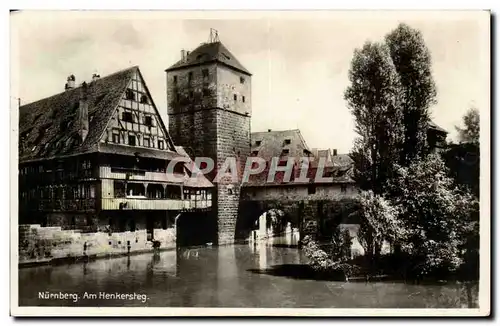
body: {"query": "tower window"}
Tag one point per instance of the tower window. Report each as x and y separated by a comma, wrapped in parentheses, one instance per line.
(175, 80)
(287, 141)
(235, 97)
(243, 99)
(127, 117)
(129, 95)
(205, 73)
(144, 99)
(242, 80)
(131, 140)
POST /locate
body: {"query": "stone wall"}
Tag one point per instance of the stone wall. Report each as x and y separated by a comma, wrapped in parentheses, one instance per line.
(210, 117)
(43, 244)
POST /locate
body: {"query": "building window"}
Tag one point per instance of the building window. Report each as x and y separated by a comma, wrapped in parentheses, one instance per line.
(175, 80)
(205, 73)
(144, 99)
(116, 137)
(147, 143)
(131, 140)
(243, 99)
(288, 141)
(127, 117)
(161, 145)
(242, 80)
(285, 152)
(255, 153)
(235, 97)
(258, 142)
(129, 95)
(148, 120)
(311, 189)
(343, 188)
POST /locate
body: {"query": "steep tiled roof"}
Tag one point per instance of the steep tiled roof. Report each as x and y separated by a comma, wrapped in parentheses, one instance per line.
(208, 53)
(434, 126)
(271, 144)
(200, 181)
(49, 127)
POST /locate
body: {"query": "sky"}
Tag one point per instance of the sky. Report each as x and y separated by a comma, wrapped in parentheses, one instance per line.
(299, 61)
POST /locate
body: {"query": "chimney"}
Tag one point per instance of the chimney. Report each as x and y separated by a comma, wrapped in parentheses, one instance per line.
(83, 113)
(183, 55)
(95, 76)
(70, 83)
(334, 152)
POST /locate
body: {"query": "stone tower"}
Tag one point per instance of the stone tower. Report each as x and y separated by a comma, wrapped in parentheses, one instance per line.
(209, 110)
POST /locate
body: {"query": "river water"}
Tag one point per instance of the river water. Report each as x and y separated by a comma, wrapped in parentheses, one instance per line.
(254, 275)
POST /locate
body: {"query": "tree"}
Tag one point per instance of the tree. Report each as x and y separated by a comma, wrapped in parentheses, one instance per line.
(412, 61)
(374, 98)
(378, 222)
(470, 132)
(435, 214)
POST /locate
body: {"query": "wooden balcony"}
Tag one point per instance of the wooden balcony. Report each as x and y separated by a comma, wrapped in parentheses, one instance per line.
(106, 172)
(152, 204)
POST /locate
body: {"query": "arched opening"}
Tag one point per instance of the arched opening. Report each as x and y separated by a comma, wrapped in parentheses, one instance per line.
(276, 227)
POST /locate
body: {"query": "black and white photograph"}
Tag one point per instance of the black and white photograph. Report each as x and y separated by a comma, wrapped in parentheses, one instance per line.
(270, 163)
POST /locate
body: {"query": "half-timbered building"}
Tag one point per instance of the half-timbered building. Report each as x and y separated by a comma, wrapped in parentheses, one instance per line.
(95, 158)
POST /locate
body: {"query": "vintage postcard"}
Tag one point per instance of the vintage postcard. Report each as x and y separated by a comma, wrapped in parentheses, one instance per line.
(321, 163)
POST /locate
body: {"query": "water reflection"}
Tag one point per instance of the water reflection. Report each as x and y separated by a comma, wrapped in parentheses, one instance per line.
(228, 276)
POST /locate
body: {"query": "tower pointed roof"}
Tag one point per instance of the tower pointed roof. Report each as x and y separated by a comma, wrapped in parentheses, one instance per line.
(208, 53)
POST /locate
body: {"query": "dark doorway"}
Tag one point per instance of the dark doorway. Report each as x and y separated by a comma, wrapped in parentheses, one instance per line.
(196, 228)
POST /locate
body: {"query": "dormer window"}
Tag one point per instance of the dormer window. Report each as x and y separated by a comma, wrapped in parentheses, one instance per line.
(129, 95)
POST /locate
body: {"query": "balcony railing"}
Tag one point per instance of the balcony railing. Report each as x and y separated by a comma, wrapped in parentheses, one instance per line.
(139, 175)
(152, 204)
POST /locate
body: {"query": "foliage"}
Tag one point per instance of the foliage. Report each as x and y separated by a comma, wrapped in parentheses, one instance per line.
(378, 222)
(321, 262)
(470, 132)
(412, 61)
(340, 245)
(374, 98)
(435, 215)
(463, 162)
